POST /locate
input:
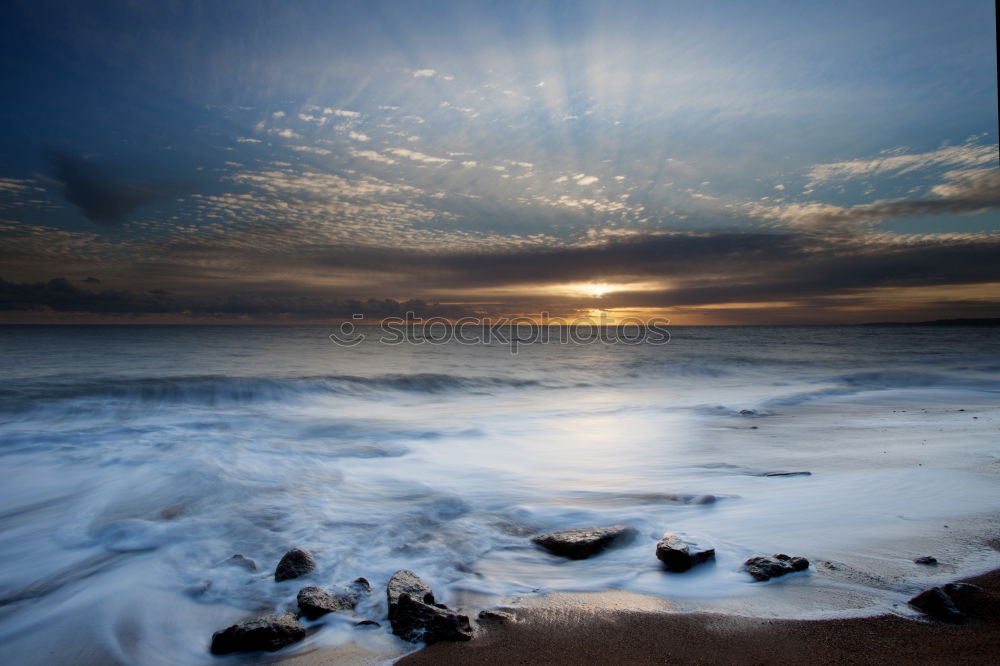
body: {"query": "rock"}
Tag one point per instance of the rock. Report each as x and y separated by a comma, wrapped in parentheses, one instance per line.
(763, 567)
(405, 581)
(358, 590)
(417, 621)
(315, 602)
(961, 593)
(680, 555)
(296, 562)
(935, 601)
(367, 624)
(415, 616)
(787, 474)
(496, 617)
(242, 561)
(926, 559)
(747, 412)
(581, 543)
(268, 633)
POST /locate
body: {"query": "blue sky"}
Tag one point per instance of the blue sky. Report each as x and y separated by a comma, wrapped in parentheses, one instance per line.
(272, 159)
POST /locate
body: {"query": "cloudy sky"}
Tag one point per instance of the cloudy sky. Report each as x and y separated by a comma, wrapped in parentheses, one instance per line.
(710, 162)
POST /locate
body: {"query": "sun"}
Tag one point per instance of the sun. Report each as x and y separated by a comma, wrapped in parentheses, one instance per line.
(593, 289)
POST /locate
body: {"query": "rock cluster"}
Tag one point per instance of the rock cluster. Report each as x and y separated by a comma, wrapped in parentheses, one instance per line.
(763, 567)
(416, 617)
(582, 542)
(678, 554)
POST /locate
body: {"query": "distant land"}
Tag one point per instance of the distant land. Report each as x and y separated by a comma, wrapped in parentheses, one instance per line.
(995, 321)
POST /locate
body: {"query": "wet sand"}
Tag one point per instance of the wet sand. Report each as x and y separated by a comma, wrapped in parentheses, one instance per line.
(566, 636)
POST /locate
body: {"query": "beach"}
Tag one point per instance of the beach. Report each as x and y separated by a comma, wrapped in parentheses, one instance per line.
(583, 636)
(130, 487)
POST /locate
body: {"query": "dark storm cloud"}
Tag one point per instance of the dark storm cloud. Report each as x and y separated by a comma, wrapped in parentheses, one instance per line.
(101, 196)
(724, 263)
(60, 295)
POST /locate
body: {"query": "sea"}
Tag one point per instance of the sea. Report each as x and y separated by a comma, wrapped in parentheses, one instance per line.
(135, 461)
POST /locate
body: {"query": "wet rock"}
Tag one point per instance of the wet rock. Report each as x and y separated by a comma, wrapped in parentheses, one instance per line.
(678, 554)
(961, 593)
(925, 559)
(763, 567)
(296, 562)
(934, 601)
(581, 543)
(496, 617)
(416, 621)
(315, 602)
(242, 561)
(415, 616)
(267, 633)
(405, 581)
(367, 624)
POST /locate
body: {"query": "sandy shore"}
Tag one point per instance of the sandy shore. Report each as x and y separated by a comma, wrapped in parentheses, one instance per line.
(545, 636)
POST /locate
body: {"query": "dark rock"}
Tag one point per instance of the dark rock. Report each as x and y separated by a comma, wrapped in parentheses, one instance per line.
(367, 624)
(926, 559)
(934, 601)
(242, 561)
(763, 567)
(581, 543)
(961, 593)
(680, 555)
(415, 616)
(358, 590)
(268, 633)
(417, 621)
(496, 617)
(787, 474)
(315, 602)
(296, 562)
(405, 581)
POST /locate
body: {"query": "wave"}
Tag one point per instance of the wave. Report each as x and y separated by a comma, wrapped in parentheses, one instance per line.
(216, 391)
(861, 382)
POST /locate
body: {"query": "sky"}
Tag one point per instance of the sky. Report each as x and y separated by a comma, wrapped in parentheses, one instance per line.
(291, 162)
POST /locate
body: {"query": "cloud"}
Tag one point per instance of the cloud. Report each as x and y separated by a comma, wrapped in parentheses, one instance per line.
(423, 73)
(896, 163)
(358, 136)
(343, 113)
(60, 295)
(102, 197)
(371, 155)
(963, 192)
(246, 139)
(287, 134)
(418, 157)
(310, 149)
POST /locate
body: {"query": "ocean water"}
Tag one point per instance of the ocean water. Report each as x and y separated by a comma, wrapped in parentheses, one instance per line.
(135, 461)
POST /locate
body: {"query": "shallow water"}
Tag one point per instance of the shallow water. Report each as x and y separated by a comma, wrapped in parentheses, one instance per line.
(137, 460)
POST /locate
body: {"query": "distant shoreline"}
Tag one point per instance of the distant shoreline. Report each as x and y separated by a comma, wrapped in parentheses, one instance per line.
(934, 323)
